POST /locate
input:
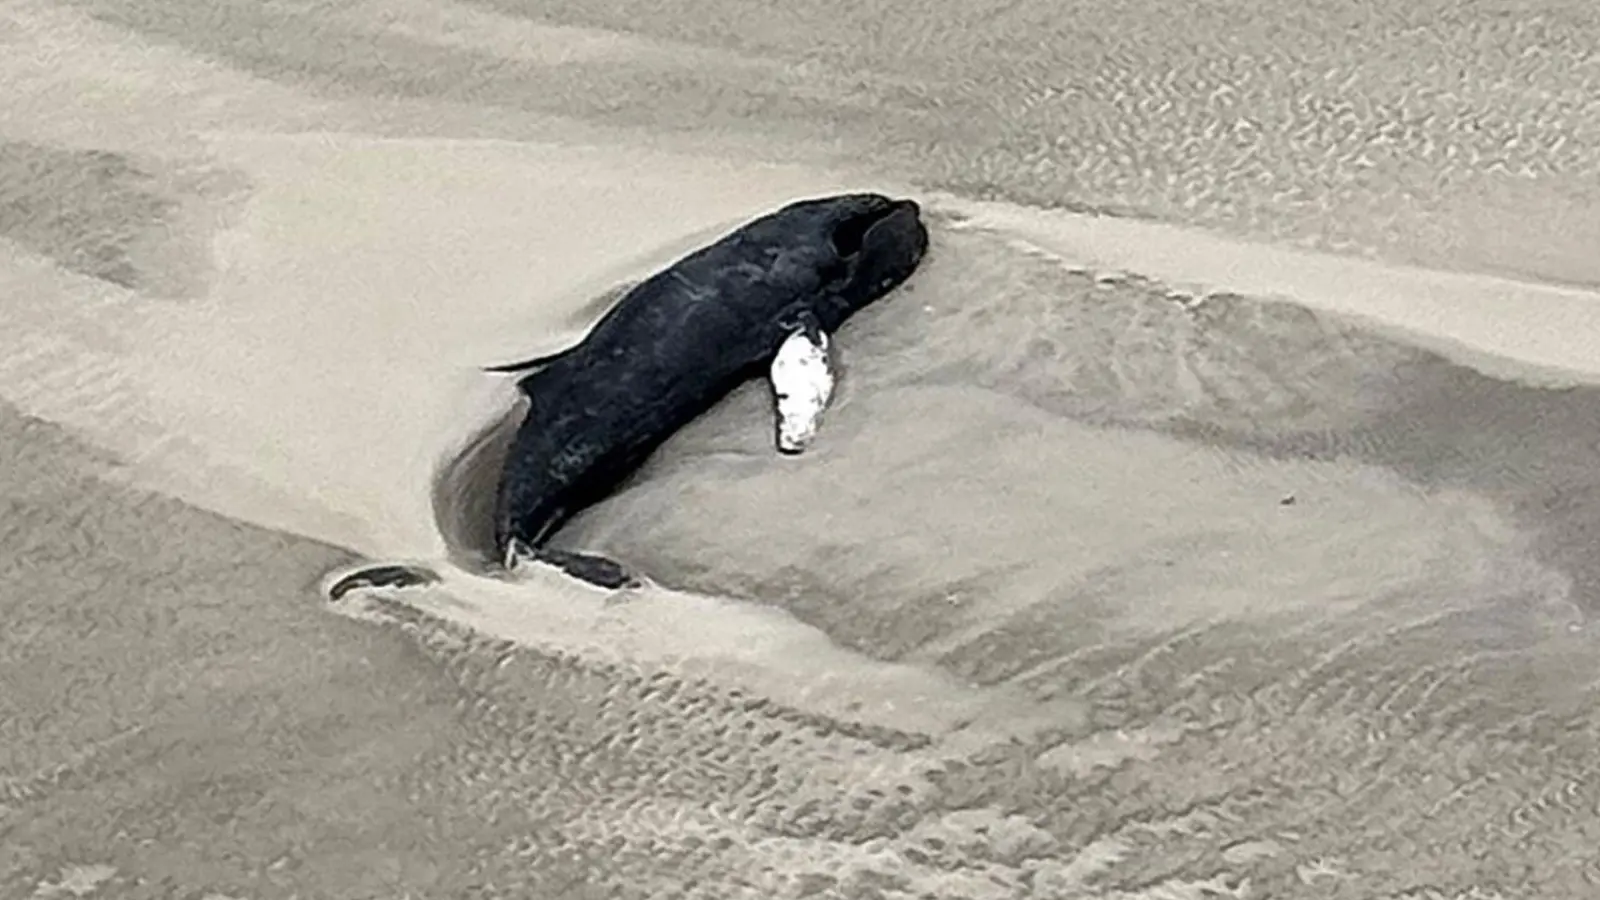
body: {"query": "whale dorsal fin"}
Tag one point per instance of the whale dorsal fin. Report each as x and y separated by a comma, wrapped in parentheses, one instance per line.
(526, 364)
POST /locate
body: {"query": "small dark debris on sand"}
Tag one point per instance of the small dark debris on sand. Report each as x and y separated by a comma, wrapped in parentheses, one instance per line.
(392, 576)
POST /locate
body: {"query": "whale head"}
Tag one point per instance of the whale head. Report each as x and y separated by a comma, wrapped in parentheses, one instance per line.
(853, 248)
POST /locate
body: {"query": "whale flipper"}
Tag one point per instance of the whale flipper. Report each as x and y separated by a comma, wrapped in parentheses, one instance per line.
(591, 568)
(802, 379)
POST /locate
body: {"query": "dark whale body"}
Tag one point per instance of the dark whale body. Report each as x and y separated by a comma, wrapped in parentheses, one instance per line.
(671, 348)
(681, 341)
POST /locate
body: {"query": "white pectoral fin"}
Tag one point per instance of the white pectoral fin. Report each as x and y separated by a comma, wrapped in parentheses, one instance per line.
(802, 385)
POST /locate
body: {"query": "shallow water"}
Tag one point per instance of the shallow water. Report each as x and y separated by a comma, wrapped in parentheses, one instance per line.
(1107, 580)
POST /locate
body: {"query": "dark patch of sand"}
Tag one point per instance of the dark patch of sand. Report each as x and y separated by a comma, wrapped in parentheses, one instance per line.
(179, 708)
(140, 223)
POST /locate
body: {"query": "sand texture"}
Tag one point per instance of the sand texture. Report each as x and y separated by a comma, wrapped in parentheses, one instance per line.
(1212, 515)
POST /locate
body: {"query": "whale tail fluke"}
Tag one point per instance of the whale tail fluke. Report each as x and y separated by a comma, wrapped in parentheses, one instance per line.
(378, 575)
(590, 568)
(600, 571)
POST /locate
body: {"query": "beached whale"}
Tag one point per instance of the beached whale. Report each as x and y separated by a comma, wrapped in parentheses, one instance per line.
(675, 345)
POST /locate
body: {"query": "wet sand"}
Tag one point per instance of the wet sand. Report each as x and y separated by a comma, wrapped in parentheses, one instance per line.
(1126, 565)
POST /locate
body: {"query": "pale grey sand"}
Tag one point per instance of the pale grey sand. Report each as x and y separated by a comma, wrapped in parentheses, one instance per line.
(1094, 585)
(1419, 131)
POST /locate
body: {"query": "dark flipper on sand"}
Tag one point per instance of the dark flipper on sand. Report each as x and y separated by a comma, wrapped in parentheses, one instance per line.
(603, 573)
(587, 567)
(596, 570)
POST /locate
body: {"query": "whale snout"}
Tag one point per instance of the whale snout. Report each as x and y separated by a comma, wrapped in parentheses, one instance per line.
(899, 234)
(871, 224)
(881, 241)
